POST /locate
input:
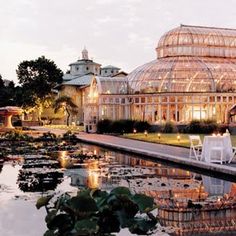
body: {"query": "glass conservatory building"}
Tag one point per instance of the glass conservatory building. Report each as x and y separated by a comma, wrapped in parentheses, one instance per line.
(193, 77)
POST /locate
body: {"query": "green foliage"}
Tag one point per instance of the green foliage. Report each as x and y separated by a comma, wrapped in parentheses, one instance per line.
(16, 135)
(37, 78)
(43, 201)
(121, 126)
(169, 127)
(209, 126)
(104, 126)
(69, 136)
(99, 213)
(7, 93)
(47, 137)
(202, 127)
(67, 104)
(141, 126)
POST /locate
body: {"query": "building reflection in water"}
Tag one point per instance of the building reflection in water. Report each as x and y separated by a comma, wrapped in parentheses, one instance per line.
(216, 187)
(39, 174)
(191, 203)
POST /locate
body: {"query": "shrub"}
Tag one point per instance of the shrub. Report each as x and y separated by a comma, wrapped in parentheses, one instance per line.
(141, 126)
(169, 127)
(121, 126)
(201, 127)
(128, 125)
(116, 127)
(222, 128)
(104, 126)
(194, 127)
(209, 126)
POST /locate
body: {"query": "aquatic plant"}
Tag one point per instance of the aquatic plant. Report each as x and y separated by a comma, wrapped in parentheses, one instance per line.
(16, 135)
(96, 213)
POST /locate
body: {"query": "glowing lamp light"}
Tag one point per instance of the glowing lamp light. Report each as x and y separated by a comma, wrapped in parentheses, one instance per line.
(134, 131)
(178, 138)
(145, 133)
(159, 136)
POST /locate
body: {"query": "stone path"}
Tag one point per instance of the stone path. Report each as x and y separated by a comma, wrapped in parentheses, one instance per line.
(177, 155)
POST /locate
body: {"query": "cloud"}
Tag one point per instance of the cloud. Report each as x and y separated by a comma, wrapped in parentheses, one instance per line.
(124, 31)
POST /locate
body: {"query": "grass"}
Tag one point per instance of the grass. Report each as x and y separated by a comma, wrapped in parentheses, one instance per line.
(170, 139)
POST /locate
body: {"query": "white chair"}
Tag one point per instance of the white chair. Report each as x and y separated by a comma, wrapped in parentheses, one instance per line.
(195, 147)
(216, 152)
(233, 155)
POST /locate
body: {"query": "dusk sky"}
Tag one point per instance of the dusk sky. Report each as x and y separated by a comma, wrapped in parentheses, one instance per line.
(123, 33)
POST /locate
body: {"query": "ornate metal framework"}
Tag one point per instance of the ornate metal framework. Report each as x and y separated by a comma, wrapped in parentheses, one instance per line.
(193, 77)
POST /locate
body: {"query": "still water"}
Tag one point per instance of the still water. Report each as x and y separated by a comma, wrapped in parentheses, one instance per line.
(25, 177)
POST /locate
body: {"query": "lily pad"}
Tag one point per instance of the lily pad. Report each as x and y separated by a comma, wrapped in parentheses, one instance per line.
(43, 201)
(86, 227)
(145, 203)
(121, 191)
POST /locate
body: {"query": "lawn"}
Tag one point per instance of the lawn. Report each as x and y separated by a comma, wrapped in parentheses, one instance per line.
(170, 139)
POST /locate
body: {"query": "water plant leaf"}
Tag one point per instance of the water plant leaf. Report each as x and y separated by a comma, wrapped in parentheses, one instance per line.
(97, 193)
(62, 200)
(145, 203)
(49, 233)
(43, 201)
(101, 198)
(82, 204)
(121, 191)
(86, 227)
(84, 193)
(142, 226)
(62, 222)
(51, 214)
(108, 222)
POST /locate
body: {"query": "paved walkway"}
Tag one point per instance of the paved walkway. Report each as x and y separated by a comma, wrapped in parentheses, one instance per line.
(177, 155)
(138, 145)
(43, 129)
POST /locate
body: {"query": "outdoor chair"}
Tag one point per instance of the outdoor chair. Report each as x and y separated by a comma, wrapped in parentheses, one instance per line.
(216, 152)
(195, 147)
(234, 154)
(233, 148)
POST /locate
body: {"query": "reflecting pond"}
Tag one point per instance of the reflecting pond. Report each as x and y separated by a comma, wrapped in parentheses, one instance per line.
(188, 203)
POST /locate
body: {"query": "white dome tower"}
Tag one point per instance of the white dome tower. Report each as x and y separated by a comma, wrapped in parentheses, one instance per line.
(85, 54)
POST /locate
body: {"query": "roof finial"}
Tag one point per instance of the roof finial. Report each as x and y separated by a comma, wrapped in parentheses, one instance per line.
(85, 54)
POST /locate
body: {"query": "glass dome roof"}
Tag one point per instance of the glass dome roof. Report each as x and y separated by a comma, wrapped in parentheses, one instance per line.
(108, 85)
(190, 59)
(198, 41)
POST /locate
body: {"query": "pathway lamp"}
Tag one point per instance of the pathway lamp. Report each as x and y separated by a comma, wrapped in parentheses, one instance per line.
(178, 138)
(145, 133)
(134, 131)
(159, 136)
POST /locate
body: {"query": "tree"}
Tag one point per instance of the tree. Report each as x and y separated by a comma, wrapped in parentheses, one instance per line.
(1, 82)
(66, 103)
(6, 93)
(37, 78)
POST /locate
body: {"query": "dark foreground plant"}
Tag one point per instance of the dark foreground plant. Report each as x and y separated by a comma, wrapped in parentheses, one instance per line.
(97, 213)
